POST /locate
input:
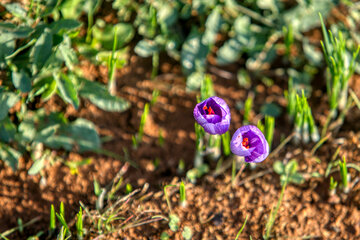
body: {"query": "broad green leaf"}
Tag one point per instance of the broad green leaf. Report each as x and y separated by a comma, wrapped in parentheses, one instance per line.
(50, 90)
(41, 51)
(49, 7)
(59, 141)
(296, 178)
(193, 81)
(64, 25)
(304, 17)
(80, 135)
(146, 48)
(187, 233)
(7, 130)
(167, 14)
(67, 89)
(212, 26)
(37, 166)
(291, 167)
(67, 53)
(46, 132)
(100, 96)
(105, 36)
(229, 52)
(7, 46)
(18, 11)
(271, 109)
(279, 167)
(85, 135)
(14, 31)
(174, 222)
(193, 53)
(9, 155)
(268, 5)
(233, 48)
(121, 56)
(71, 9)
(21, 80)
(313, 56)
(201, 6)
(27, 130)
(7, 101)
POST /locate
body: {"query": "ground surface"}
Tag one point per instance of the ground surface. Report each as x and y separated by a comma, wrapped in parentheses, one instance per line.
(215, 210)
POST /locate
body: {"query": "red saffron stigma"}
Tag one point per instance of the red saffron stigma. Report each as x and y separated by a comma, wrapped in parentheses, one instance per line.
(245, 143)
(209, 110)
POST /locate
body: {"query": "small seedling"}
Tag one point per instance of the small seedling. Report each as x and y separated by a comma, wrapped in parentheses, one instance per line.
(269, 129)
(344, 176)
(20, 225)
(62, 209)
(193, 174)
(242, 228)
(97, 188)
(182, 194)
(61, 218)
(187, 233)
(161, 139)
(288, 39)
(79, 225)
(174, 222)
(300, 112)
(142, 122)
(155, 95)
(261, 126)
(247, 109)
(181, 166)
(128, 188)
(164, 236)
(74, 165)
(52, 226)
(225, 139)
(333, 185)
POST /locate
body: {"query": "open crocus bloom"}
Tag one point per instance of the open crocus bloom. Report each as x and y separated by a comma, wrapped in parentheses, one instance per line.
(213, 114)
(249, 142)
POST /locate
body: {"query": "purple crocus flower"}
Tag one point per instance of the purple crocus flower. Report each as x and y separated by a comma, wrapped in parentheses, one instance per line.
(213, 114)
(249, 142)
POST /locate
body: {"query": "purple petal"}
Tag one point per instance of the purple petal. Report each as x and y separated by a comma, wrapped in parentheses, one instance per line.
(217, 123)
(258, 146)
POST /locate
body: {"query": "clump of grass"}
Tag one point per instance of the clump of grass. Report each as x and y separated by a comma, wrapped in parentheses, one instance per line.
(340, 68)
(300, 112)
(138, 138)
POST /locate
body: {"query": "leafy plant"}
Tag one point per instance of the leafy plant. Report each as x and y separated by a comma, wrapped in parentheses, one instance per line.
(39, 60)
(340, 66)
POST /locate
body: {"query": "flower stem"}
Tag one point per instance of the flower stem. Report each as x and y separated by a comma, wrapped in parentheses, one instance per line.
(234, 178)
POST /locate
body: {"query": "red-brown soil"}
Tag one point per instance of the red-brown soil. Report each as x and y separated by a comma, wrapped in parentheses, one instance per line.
(215, 210)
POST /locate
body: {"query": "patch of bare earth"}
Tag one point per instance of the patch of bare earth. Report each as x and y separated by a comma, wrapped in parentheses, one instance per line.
(215, 210)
